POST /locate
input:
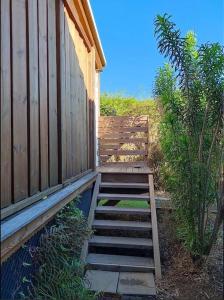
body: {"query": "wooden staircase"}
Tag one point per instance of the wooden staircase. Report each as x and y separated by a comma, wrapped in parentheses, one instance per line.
(123, 253)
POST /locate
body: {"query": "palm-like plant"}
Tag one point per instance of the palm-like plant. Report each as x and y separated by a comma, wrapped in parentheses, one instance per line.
(191, 93)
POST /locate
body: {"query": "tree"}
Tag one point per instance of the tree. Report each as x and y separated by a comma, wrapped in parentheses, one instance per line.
(190, 91)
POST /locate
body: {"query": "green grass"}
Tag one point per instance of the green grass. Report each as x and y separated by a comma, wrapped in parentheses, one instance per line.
(129, 204)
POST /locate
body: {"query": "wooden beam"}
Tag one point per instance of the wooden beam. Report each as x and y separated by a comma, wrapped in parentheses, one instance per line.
(123, 152)
(91, 215)
(155, 238)
(18, 229)
(73, 14)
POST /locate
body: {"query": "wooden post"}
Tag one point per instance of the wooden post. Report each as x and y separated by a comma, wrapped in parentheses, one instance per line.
(155, 238)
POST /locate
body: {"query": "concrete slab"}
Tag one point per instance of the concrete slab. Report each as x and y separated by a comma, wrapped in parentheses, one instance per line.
(99, 281)
(136, 284)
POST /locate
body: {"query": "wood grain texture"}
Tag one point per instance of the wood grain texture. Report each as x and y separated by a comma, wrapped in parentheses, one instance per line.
(43, 94)
(34, 171)
(68, 100)
(19, 77)
(52, 94)
(5, 105)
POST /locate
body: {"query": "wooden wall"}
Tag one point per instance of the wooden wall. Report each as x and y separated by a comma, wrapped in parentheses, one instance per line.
(47, 99)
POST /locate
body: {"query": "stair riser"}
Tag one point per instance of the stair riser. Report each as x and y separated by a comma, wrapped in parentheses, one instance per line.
(123, 218)
(116, 268)
(127, 178)
(130, 190)
(122, 198)
(120, 246)
(120, 213)
(119, 185)
(123, 228)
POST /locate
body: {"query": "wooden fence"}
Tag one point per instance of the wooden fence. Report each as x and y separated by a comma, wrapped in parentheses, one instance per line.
(47, 107)
(123, 141)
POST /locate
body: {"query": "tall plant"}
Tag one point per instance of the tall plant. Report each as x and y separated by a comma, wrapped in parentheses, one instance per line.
(190, 91)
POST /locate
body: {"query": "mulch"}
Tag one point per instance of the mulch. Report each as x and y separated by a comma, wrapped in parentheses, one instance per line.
(181, 277)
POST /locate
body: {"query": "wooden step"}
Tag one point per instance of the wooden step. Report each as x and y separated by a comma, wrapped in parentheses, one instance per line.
(144, 197)
(106, 262)
(120, 242)
(122, 225)
(124, 185)
(122, 210)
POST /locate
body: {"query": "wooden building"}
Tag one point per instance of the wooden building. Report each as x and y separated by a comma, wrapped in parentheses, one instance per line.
(51, 58)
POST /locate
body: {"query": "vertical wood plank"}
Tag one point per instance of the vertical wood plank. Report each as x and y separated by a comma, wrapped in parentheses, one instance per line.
(73, 105)
(61, 83)
(52, 94)
(43, 93)
(19, 60)
(5, 107)
(68, 98)
(33, 97)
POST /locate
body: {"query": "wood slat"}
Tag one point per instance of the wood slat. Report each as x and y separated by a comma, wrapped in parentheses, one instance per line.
(120, 242)
(122, 210)
(120, 263)
(19, 77)
(102, 196)
(123, 152)
(105, 141)
(5, 112)
(122, 146)
(52, 94)
(125, 185)
(117, 135)
(68, 99)
(43, 90)
(122, 118)
(121, 225)
(121, 129)
(34, 171)
(62, 91)
(137, 164)
(91, 214)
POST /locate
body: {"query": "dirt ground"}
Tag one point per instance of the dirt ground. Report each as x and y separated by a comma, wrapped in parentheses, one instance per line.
(181, 279)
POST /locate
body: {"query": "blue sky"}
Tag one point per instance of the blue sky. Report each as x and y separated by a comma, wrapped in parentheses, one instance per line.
(126, 32)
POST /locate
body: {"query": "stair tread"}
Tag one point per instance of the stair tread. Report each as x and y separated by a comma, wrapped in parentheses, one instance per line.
(126, 210)
(124, 185)
(120, 260)
(108, 196)
(119, 224)
(120, 241)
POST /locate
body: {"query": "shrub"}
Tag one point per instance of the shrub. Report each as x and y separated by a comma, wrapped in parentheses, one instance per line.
(60, 274)
(190, 93)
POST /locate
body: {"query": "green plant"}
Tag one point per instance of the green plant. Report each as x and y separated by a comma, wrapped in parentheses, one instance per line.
(191, 97)
(60, 274)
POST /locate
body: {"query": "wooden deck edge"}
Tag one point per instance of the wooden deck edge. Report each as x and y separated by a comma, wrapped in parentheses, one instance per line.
(155, 237)
(14, 208)
(91, 215)
(19, 228)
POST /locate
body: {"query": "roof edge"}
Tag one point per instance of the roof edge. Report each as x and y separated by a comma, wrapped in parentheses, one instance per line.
(89, 13)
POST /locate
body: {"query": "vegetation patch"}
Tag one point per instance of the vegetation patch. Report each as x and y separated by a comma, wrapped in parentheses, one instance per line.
(60, 274)
(190, 93)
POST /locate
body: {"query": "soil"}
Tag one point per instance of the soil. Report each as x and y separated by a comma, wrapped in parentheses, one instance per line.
(181, 278)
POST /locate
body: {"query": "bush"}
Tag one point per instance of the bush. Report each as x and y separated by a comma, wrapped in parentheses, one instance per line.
(190, 93)
(60, 274)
